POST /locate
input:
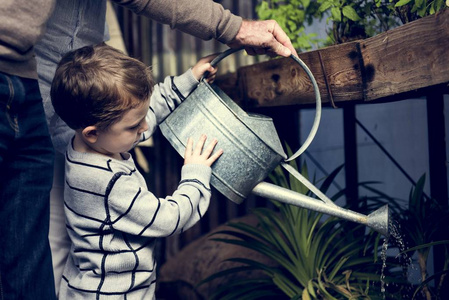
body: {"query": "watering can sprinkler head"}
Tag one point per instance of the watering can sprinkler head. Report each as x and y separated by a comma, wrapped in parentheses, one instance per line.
(379, 220)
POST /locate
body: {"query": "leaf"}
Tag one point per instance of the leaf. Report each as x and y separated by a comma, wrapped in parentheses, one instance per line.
(325, 6)
(311, 289)
(289, 288)
(336, 14)
(330, 178)
(305, 295)
(438, 4)
(430, 278)
(424, 246)
(350, 13)
(402, 3)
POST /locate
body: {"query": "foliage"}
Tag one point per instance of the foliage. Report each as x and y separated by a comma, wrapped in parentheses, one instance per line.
(348, 19)
(329, 258)
(352, 20)
(423, 221)
(409, 10)
(417, 223)
(292, 16)
(316, 257)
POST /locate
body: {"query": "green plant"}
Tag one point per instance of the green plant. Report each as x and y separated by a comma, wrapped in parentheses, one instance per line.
(352, 20)
(348, 19)
(419, 222)
(422, 221)
(409, 10)
(292, 16)
(316, 257)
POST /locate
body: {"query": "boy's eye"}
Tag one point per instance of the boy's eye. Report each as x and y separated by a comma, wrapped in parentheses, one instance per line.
(134, 127)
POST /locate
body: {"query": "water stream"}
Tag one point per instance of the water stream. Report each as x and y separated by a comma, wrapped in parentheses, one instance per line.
(396, 239)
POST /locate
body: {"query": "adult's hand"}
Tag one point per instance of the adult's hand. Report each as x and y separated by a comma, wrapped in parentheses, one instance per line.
(263, 37)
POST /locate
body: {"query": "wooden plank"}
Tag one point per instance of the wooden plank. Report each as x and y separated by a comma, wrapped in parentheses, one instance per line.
(283, 81)
(407, 58)
(394, 65)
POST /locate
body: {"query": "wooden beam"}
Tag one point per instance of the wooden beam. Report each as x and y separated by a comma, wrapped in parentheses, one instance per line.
(284, 82)
(408, 58)
(391, 65)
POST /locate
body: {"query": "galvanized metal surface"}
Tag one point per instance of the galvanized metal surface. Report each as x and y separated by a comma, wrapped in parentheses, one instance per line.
(377, 220)
(250, 143)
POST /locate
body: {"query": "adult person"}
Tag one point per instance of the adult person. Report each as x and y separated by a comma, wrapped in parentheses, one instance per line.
(26, 156)
(26, 153)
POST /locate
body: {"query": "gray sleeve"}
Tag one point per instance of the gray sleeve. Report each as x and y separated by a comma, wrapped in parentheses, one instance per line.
(166, 96)
(135, 210)
(204, 19)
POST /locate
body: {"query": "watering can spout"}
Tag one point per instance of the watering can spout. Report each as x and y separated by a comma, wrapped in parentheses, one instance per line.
(377, 220)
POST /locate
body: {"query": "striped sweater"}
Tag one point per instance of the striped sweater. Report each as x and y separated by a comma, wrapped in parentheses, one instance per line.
(114, 221)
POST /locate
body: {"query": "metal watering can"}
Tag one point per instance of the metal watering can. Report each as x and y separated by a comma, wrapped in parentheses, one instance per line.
(252, 149)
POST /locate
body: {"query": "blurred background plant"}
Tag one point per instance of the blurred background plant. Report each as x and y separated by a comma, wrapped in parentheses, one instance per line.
(346, 20)
(293, 16)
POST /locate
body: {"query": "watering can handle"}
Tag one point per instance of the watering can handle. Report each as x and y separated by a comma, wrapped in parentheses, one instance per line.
(317, 119)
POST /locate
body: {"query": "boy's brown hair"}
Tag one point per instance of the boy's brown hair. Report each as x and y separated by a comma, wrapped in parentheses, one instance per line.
(96, 85)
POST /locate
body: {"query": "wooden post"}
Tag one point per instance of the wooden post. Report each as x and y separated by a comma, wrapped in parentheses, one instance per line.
(438, 172)
(350, 142)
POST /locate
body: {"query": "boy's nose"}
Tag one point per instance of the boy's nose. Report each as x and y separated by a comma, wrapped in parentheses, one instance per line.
(144, 127)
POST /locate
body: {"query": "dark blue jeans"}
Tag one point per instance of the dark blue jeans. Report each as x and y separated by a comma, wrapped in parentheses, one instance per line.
(26, 175)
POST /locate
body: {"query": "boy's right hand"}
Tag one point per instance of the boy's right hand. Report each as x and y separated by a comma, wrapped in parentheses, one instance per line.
(198, 156)
(204, 68)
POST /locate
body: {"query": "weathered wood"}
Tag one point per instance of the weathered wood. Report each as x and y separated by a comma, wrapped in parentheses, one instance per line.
(407, 58)
(284, 82)
(410, 58)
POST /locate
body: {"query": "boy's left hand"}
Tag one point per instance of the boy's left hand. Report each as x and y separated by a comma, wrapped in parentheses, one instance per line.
(200, 156)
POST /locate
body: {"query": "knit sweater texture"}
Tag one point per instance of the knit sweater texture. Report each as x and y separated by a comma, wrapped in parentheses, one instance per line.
(22, 24)
(114, 221)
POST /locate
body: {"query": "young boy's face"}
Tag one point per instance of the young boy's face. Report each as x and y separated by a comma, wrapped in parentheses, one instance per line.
(124, 134)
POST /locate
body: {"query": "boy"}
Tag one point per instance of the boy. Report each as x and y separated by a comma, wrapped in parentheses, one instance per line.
(112, 219)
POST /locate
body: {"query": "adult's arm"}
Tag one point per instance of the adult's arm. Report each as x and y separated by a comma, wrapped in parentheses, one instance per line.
(206, 19)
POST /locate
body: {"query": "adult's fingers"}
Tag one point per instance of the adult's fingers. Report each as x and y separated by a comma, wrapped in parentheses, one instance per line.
(263, 37)
(282, 44)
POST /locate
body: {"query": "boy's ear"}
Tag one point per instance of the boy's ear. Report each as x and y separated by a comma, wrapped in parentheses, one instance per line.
(90, 133)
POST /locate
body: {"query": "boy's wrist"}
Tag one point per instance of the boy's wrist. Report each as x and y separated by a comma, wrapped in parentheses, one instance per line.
(186, 82)
(199, 172)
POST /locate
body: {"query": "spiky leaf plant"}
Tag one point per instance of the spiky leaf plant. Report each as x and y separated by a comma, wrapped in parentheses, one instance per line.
(316, 257)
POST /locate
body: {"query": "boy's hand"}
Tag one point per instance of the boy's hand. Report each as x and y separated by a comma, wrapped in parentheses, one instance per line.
(198, 156)
(203, 66)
